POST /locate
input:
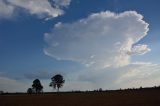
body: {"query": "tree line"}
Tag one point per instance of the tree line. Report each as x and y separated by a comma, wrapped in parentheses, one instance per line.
(57, 82)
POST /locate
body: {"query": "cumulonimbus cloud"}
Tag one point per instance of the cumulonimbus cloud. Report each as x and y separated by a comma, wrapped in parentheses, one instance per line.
(102, 39)
(42, 8)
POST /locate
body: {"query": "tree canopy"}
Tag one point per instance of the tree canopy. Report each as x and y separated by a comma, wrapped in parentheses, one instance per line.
(57, 81)
(37, 86)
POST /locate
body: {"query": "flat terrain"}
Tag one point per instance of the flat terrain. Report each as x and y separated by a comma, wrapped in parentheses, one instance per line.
(147, 97)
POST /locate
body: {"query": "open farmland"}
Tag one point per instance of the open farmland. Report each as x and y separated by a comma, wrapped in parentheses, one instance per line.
(147, 97)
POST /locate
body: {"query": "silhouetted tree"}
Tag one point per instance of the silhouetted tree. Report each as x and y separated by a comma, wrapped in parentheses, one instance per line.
(37, 86)
(30, 91)
(57, 82)
(1, 92)
(100, 90)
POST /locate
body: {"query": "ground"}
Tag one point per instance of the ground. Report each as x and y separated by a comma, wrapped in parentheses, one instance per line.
(141, 97)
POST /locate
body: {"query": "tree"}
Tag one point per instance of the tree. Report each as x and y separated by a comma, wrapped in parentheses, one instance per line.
(37, 86)
(57, 82)
(1, 92)
(29, 90)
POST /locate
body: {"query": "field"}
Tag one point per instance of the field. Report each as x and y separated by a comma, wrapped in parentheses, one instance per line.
(146, 97)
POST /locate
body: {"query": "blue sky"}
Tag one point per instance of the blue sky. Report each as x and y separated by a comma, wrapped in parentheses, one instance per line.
(35, 43)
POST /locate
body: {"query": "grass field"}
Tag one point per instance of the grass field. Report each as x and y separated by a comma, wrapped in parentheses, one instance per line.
(147, 97)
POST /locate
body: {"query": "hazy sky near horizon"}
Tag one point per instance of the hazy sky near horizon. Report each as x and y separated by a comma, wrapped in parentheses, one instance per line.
(107, 44)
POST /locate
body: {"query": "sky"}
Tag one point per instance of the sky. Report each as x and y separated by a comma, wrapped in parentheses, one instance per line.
(108, 44)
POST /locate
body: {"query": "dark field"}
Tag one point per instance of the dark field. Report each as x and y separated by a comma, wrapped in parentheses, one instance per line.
(147, 97)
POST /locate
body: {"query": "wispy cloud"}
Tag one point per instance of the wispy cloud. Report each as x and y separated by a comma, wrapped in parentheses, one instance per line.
(61, 2)
(133, 75)
(6, 11)
(139, 49)
(140, 74)
(12, 85)
(42, 8)
(39, 75)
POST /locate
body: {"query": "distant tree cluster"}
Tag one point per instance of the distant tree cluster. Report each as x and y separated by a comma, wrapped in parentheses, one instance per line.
(57, 82)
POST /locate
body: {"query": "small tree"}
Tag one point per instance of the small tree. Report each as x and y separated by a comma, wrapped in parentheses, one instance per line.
(57, 82)
(100, 90)
(1, 92)
(37, 86)
(30, 91)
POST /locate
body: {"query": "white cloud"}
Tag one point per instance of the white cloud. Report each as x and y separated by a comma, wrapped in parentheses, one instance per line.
(41, 8)
(105, 43)
(103, 39)
(6, 11)
(133, 75)
(12, 85)
(78, 85)
(139, 49)
(62, 2)
(140, 74)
